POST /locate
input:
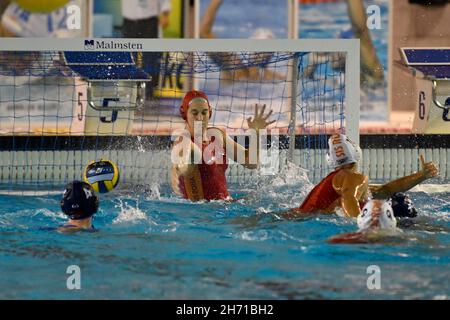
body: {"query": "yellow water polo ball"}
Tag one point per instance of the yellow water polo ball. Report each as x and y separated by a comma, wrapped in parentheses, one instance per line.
(102, 175)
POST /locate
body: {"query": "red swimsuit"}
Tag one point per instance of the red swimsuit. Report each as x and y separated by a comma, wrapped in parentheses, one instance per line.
(207, 182)
(321, 196)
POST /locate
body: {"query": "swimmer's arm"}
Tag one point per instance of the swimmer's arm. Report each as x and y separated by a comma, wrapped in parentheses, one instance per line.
(234, 150)
(349, 203)
(428, 170)
(175, 182)
(347, 186)
(399, 185)
(186, 165)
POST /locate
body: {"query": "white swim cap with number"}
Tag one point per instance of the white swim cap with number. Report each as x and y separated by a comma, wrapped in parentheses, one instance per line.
(342, 151)
(377, 214)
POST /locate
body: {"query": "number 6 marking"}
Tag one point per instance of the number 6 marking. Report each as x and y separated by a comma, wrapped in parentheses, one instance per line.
(421, 105)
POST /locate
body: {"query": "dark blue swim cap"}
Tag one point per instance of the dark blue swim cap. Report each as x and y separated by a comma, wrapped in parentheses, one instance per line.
(79, 200)
(402, 206)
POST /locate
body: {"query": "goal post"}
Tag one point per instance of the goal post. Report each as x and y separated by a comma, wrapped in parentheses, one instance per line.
(68, 101)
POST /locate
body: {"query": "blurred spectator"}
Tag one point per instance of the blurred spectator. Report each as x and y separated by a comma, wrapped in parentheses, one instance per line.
(372, 73)
(258, 66)
(142, 19)
(17, 22)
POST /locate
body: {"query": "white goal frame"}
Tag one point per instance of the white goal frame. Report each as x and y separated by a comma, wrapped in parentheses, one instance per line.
(350, 47)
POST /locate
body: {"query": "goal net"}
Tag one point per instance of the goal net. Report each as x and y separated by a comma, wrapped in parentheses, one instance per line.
(65, 102)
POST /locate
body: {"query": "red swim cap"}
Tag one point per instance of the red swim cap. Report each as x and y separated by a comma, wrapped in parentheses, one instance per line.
(188, 98)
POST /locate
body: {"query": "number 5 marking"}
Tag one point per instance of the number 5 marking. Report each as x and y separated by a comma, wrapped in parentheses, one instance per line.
(445, 114)
(80, 104)
(114, 113)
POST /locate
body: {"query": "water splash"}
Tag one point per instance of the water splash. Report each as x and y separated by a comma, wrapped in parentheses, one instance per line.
(285, 190)
(260, 235)
(131, 214)
(292, 175)
(140, 145)
(49, 214)
(154, 192)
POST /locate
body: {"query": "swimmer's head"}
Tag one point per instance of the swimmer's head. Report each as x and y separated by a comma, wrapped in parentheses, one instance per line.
(377, 214)
(79, 200)
(342, 151)
(402, 206)
(195, 107)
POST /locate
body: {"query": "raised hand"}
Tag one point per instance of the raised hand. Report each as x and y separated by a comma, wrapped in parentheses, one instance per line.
(259, 121)
(429, 169)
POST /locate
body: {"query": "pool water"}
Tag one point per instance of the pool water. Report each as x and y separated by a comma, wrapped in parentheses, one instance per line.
(153, 245)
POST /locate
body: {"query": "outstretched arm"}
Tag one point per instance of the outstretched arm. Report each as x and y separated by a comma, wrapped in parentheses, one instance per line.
(429, 170)
(185, 162)
(258, 122)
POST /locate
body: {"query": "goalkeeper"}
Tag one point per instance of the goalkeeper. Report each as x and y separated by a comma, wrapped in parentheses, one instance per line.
(205, 179)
